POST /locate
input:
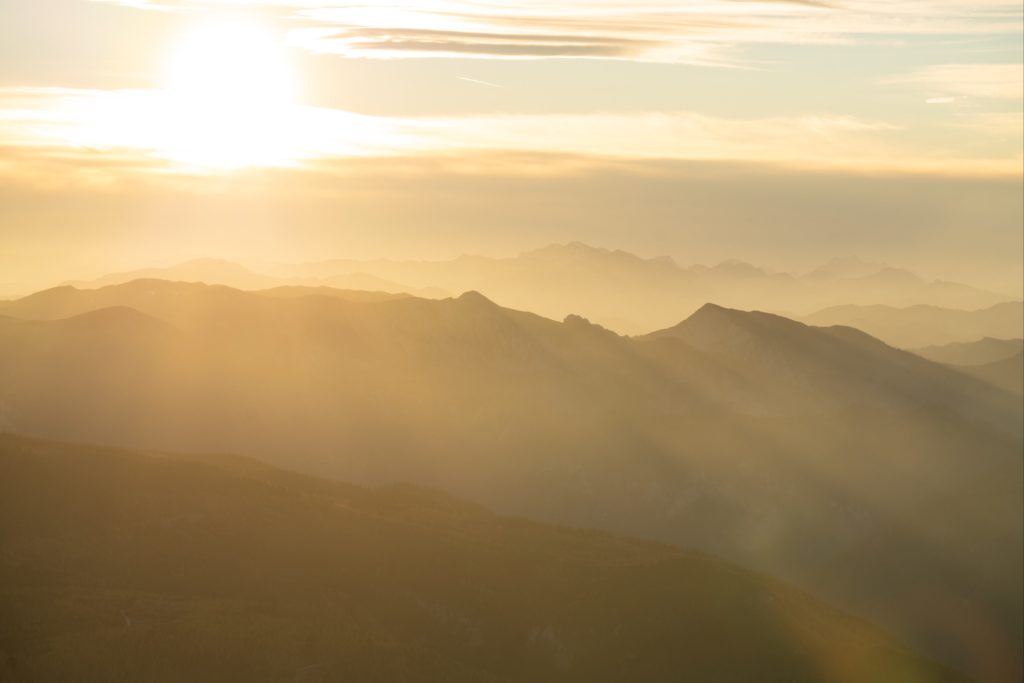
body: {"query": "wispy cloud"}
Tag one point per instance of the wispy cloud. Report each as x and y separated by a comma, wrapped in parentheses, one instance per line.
(945, 82)
(689, 31)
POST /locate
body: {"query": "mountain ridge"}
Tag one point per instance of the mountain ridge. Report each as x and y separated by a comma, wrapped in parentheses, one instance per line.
(926, 325)
(628, 293)
(795, 454)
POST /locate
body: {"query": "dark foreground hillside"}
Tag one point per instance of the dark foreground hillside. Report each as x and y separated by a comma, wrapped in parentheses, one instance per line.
(124, 566)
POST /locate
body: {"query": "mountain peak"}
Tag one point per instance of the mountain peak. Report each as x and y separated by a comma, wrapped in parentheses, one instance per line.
(713, 327)
(711, 309)
(579, 323)
(123, 319)
(475, 298)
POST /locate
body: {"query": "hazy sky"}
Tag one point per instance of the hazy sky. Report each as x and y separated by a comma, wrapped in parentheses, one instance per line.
(785, 132)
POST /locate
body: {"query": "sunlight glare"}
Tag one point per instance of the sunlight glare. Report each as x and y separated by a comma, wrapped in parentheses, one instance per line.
(230, 98)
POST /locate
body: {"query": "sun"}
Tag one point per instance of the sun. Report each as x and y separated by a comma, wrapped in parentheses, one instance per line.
(229, 93)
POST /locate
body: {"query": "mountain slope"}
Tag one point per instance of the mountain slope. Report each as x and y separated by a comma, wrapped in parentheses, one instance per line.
(823, 457)
(128, 566)
(798, 361)
(980, 352)
(1007, 374)
(918, 326)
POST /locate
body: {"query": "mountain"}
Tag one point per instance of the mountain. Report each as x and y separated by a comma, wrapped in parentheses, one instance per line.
(625, 292)
(287, 291)
(918, 326)
(981, 352)
(844, 268)
(635, 295)
(796, 360)
(228, 273)
(121, 565)
(1007, 374)
(210, 271)
(878, 480)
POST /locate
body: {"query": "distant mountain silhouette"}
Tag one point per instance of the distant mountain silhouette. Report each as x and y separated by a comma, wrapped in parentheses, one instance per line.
(210, 271)
(293, 291)
(871, 476)
(981, 352)
(844, 268)
(918, 326)
(120, 565)
(615, 288)
(636, 295)
(221, 272)
(1007, 373)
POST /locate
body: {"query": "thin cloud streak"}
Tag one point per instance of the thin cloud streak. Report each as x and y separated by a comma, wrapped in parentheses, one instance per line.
(982, 81)
(697, 32)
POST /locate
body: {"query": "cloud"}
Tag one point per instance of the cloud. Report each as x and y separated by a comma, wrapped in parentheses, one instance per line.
(667, 135)
(399, 42)
(127, 124)
(945, 82)
(680, 31)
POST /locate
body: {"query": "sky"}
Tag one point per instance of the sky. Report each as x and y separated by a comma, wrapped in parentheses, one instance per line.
(138, 133)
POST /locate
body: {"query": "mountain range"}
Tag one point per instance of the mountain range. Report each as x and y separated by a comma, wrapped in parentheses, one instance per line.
(222, 272)
(125, 565)
(918, 326)
(999, 362)
(883, 482)
(622, 291)
(980, 352)
(1007, 373)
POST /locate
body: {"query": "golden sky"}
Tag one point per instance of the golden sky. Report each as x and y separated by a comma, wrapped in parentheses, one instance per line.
(103, 104)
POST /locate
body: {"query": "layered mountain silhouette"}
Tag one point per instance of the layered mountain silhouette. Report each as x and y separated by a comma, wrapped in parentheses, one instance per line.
(1007, 373)
(121, 565)
(980, 352)
(222, 272)
(633, 295)
(620, 290)
(1000, 362)
(918, 326)
(883, 482)
(845, 268)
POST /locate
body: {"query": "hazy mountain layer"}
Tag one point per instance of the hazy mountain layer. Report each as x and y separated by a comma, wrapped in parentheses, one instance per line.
(981, 352)
(1007, 373)
(120, 565)
(635, 295)
(882, 481)
(622, 291)
(220, 272)
(918, 326)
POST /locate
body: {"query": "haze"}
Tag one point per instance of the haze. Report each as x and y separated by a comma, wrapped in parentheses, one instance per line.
(781, 133)
(461, 340)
